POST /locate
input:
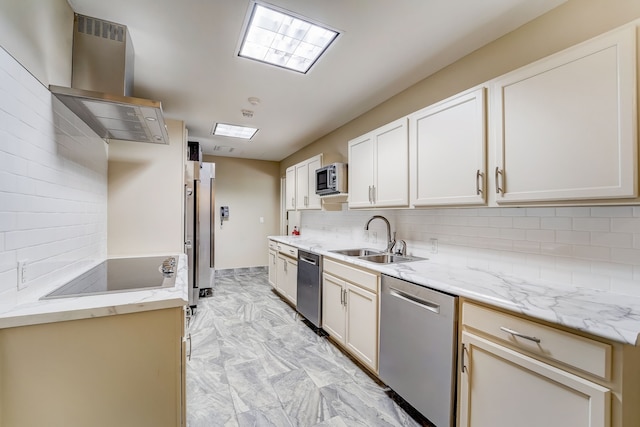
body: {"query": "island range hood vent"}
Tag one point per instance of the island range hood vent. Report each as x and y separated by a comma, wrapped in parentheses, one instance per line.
(102, 82)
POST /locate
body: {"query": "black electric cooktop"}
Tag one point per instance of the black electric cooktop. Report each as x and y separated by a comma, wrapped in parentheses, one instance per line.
(121, 275)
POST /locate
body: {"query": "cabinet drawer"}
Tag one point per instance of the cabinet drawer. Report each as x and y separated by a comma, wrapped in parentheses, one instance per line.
(288, 250)
(363, 278)
(581, 353)
(273, 245)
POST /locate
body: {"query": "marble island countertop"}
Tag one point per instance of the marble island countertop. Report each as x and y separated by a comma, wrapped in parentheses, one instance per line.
(33, 310)
(601, 313)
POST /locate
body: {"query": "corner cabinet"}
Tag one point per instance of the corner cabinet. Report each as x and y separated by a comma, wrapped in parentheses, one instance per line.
(379, 167)
(564, 127)
(350, 310)
(447, 151)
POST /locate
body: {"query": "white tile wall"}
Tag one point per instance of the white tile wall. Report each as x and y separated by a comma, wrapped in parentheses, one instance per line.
(53, 185)
(595, 247)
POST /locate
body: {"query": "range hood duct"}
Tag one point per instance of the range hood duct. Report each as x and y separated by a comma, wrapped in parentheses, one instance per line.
(102, 81)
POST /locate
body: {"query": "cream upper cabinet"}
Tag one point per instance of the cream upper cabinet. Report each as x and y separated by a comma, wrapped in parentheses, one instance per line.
(306, 197)
(564, 127)
(379, 167)
(290, 188)
(447, 151)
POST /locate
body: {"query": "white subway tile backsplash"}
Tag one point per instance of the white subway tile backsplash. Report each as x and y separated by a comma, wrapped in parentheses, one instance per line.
(592, 252)
(540, 235)
(53, 184)
(611, 211)
(556, 223)
(527, 222)
(575, 212)
(625, 225)
(592, 224)
(573, 237)
(625, 256)
(612, 240)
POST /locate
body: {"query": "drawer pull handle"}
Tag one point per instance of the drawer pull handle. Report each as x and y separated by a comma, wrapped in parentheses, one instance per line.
(518, 334)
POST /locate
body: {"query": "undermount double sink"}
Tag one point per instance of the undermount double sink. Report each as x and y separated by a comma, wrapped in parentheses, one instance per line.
(379, 257)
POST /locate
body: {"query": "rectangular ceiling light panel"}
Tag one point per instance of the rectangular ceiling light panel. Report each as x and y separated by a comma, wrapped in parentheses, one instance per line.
(234, 131)
(281, 39)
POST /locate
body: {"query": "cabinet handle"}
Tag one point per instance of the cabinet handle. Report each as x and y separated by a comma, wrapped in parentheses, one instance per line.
(306, 200)
(518, 334)
(370, 201)
(478, 176)
(463, 368)
(341, 296)
(373, 194)
(345, 297)
(499, 174)
(285, 266)
(293, 202)
(189, 353)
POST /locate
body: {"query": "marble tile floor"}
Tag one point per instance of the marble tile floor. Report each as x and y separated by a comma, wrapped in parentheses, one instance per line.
(254, 362)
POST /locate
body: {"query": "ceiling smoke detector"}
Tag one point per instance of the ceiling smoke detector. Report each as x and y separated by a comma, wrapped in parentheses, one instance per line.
(247, 113)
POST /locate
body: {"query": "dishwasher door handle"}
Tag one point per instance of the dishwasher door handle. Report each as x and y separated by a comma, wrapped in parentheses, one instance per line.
(427, 305)
(308, 260)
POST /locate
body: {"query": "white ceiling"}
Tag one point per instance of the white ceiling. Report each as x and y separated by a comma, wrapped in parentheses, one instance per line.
(186, 57)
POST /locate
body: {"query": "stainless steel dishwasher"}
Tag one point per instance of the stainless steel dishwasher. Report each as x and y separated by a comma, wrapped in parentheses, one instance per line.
(418, 330)
(309, 297)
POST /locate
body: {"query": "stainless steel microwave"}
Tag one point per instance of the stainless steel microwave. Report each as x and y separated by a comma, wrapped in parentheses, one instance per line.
(331, 179)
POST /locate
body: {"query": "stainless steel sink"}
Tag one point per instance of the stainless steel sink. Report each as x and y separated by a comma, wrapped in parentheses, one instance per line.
(360, 252)
(390, 258)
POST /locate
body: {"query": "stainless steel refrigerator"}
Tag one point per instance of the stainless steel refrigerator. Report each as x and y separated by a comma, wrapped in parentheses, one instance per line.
(199, 229)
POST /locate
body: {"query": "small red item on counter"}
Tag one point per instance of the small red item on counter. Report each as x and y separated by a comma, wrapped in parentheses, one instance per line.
(295, 231)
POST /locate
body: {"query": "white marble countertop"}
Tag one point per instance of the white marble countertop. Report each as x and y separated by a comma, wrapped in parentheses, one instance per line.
(601, 313)
(32, 310)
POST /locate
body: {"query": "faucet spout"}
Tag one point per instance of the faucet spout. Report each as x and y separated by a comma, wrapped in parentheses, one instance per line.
(391, 240)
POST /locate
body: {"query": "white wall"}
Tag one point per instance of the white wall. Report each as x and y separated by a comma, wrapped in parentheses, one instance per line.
(593, 247)
(251, 189)
(53, 185)
(146, 188)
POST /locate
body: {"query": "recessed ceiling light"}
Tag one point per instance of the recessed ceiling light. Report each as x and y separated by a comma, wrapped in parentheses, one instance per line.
(233, 131)
(277, 37)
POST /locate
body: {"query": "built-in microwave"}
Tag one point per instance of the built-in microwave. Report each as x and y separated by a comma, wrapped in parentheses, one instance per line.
(331, 179)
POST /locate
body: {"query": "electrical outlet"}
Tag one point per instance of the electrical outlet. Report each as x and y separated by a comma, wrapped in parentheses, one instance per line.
(434, 246)
(22, 274)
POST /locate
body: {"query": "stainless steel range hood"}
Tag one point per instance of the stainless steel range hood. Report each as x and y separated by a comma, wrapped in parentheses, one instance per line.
(102, 80)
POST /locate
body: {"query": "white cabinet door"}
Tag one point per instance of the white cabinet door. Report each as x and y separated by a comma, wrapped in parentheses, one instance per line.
(500, 387)
(361, 171)
(281, 273)
(302, 185)
(305, 183)
(447, 144)
(290, 188)
(379, 167)
(273, 267)
(290, 283)
(391, 146)
(565, 127)
(313, 200)
(333, 309)
(362, 324)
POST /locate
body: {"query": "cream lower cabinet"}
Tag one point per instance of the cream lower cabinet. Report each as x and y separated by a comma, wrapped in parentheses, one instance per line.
(283, 270)
(124, 370)
(504, 388)
(515, 371)
(350, 310)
